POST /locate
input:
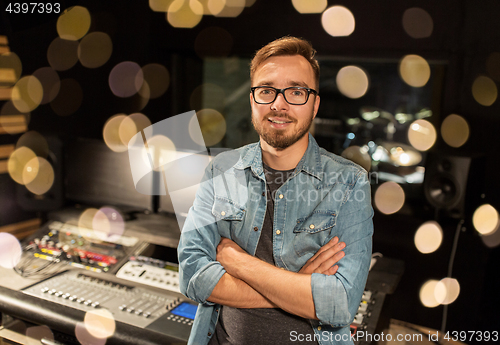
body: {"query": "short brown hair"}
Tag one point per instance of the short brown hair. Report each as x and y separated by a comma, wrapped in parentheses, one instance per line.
(287, 45)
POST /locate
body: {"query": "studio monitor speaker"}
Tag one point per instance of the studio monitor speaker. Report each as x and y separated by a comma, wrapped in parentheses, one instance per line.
(453, 183)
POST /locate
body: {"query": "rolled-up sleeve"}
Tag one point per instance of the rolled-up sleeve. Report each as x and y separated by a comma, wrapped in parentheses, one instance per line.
(337, 297)
(199, 270)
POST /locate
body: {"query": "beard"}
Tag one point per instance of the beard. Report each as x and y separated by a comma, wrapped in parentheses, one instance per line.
(280, 138)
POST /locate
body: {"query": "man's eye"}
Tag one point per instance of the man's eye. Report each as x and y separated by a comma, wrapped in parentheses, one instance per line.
(266, 92)
(298, 92)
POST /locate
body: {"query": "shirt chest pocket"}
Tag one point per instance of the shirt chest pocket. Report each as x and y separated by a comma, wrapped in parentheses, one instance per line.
(312, 232)
(229, 216)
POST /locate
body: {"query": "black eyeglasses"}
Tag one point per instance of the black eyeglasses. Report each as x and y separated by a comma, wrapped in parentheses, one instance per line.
(294, 95)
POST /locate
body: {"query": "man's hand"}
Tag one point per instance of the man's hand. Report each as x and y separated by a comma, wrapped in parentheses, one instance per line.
(325, 258)
(231, 256)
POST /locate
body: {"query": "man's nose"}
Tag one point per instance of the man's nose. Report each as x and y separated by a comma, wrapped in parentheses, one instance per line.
(280, 103)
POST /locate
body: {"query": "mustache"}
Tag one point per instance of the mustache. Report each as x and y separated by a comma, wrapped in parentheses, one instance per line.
(279, 115)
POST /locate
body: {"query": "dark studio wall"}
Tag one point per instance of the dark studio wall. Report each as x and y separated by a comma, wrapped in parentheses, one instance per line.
(465, 33)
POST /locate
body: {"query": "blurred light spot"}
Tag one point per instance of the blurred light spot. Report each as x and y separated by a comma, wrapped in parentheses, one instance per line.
(484, 91)
(485, 219)
(427, 296)
(212, 125)
(160, 5)
(85, 337)
(417, 23)
(130, 126)
(125, 79)
(69, 99)
(157, 78)
(455, 130)
(492, 239)
(35, 142)
(352, 81)
(10, 250)
(447, 291)
(160, 151)
(422, 135)
(86, 218)
(111, 133)
(36, 333)
(249, 3)
(185, 13)
(38, 175)
(100, 323)
(213, 42)
(338, 21)
(216, 6)
(10, 69)
(27, 94)
(389, 197)
(428, 237)
(50, 83)
(12, 120)
(95, 49)
(73, 23)
(310, 6)
(358, 156)
(493, 65)
(208, 96)
(404, 155)
(144, 94)
(108, 224)
(62, 54)
(414, 70)
(232, 8)
(17, 161)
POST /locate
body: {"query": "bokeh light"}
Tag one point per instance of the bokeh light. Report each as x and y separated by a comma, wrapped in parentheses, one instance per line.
(428, 237)
(50, 81)
(27, 94)
(108, 224)
(213, 42)
(13, 121)
(209, 96)
(216, 6)
(232, 8)
(338, 21)
(491, 240)
(100, 323)
(160, 5)
(111, 133)
(310, 6)
(493, 65)
(160, 151)
(427, 294)
(10, 69)
(484, 91)
(73, 23)
(455, 130)
(414, 70)
(485, 219)
(389, 197)
(417, 23)
(17, 161)
(10, 250)
(35, 142)
(125, 79)
(130, 126)
(95, 49)
(447, 291)
(352, 81)
(185, 13)
(212, 125)
(69, 99)
(38, 176)
(157, 78)
(36, 333)
(62, 54)
(86, 219)
(83, 335)
(422, 135)
(359, 156)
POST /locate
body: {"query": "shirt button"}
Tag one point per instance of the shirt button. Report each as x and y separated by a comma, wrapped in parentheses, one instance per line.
(319, 328)
(278, 232)
(263, 193)
(281, 196)
(223, 213)
(256, 229)
(311, 226)
(209, 334)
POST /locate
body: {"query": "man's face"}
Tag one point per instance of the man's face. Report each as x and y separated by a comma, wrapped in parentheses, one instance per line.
(282, 72)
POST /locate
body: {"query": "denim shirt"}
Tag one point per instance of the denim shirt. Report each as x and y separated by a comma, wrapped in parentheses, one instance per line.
(326, 196)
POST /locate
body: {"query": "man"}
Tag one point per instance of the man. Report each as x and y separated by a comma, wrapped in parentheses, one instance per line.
(277, 245)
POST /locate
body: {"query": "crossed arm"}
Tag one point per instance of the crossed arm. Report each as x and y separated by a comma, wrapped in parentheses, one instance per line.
(253, 283)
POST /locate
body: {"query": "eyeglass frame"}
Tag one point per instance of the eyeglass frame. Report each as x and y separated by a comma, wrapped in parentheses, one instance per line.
(282, 91)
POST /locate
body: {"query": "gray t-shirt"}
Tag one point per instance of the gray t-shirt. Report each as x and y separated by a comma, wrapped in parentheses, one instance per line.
(238, 326)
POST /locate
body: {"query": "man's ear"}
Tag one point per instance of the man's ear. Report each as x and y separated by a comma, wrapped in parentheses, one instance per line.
(316, 106)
